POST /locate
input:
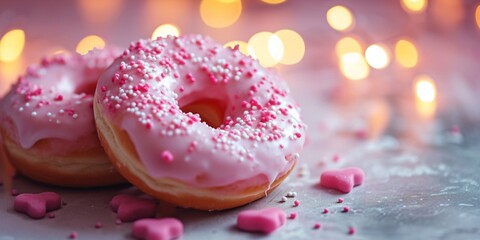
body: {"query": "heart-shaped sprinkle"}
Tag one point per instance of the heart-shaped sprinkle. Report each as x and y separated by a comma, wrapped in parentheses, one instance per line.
(157, 229)
(264, 220)
(37, 205)
(343, 179)
(130, 208)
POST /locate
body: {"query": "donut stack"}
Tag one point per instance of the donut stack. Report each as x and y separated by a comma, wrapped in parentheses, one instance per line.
(182, 118)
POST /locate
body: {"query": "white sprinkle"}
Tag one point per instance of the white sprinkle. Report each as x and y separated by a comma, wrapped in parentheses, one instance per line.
(34, 114)
(291, 194)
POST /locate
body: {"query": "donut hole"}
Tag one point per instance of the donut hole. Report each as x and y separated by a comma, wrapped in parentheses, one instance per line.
(211, 111)
(87, 88)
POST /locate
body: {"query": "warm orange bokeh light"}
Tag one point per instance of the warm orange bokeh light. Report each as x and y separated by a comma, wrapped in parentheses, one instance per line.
(89, 43)
(414, 6)
(220, 13)
(165, 30)
(406, 53)
(354, 66)
(268, 48)
(346, 45)
(293, 44)
(425, 88)
(477, 16)
(340, 18)
(273, 1)
(11, 45)
(100, 12)
(243, 47)
(377, 56)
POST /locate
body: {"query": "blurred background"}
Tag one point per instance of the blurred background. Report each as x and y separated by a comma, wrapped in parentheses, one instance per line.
(425, 50)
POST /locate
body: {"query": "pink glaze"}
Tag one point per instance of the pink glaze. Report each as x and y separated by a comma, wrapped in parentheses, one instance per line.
(37, 205)
(343, 179)
(54, 100)
(264, 220)
(260, 134)
(157, 229)
(130, 208)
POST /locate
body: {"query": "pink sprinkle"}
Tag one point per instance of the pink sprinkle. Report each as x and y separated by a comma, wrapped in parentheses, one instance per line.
(130, 208)
(163, 228)
(361, 134)
(343, 179)
(340, 200)
(325, 210)
(335, 158)
(292, 216)
(167, 156)
(346, 209)
(296, 203)
(37, 205)
(298, 135)
(51, 215)
(264, 220)
(98, 225)
(103, 88)
(118, 221)
(351, 230)
(58, 98)
(14, 192)
(73, 235)
(317, 226)
(455, 129)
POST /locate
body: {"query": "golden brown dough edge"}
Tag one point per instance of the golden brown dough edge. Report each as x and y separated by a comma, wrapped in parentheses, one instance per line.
(117, 143)
(84, 168)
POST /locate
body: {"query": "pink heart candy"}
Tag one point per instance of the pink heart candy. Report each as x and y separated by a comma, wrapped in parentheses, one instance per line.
(130, 208)
(343, 179)
(157, 229)
(37, 205)
(264, 220)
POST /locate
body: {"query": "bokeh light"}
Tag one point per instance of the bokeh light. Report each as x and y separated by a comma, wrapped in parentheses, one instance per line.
(406, 53)
(89, 43)
(447, 14)
(273, 1)
(11, 45)
(425, 88)
(346, 45)
(354, 66)
(243, 47)
(414, 6)
(477, 16)
(100, 12)
(377, 56)
(165, 30)
(220, 13)
(340, 18)
(293, 44)
(267, 47)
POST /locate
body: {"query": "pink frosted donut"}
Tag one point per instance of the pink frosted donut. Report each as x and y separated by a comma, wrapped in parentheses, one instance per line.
(47, 124)
(195, 124)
